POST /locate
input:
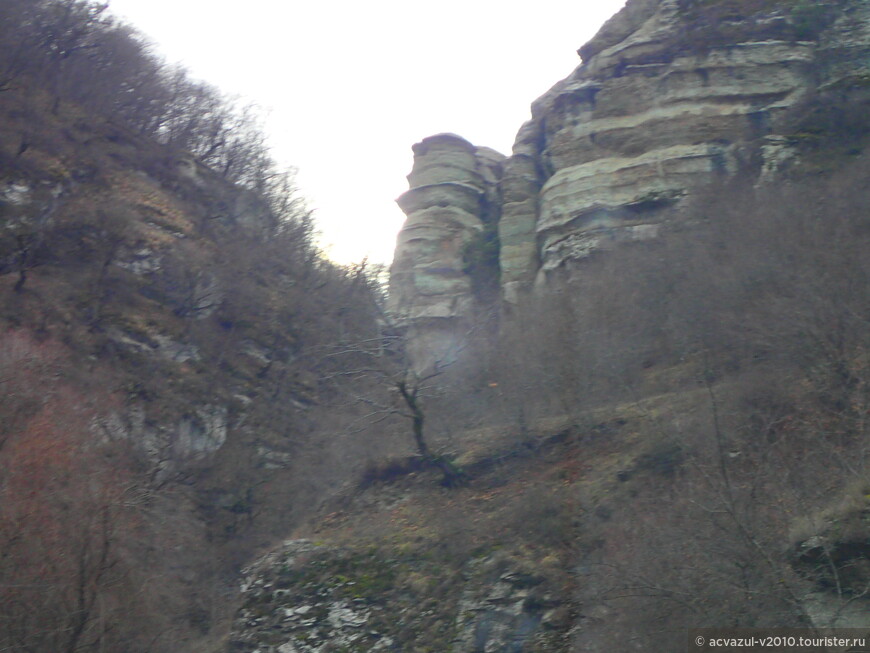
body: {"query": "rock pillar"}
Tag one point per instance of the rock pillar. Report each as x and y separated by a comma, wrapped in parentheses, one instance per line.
(451, 186)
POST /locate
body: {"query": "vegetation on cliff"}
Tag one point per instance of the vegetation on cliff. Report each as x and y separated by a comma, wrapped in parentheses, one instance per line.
(666, 435)
(670, 438)
(163, 316)
(665, 431)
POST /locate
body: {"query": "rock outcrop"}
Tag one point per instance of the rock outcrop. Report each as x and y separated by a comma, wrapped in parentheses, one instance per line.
(671, 95)
(453, 195)
(308, 597)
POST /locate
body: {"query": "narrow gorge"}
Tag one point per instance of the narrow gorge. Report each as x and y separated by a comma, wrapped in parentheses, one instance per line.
(616, 387)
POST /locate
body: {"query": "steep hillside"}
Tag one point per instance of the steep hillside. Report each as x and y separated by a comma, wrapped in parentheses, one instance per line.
(622, 388)
(165, 325)
(662, 422)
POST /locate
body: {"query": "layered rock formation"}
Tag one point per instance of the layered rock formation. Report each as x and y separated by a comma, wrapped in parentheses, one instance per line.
(453, 195)
(671, 94)
(665, 100)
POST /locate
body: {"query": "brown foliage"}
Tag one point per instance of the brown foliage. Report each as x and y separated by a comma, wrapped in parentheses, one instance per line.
(63, 509)
(76, 52)
(78, 521)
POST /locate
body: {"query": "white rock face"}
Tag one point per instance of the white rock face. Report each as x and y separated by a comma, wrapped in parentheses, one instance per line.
(670, 96)
(623, 141)
(452, 185)
(192, 437)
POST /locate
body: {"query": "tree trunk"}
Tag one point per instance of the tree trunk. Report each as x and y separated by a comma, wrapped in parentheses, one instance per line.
(453, 476)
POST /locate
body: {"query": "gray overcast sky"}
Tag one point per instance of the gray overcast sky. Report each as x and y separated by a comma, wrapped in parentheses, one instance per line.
(350, 86)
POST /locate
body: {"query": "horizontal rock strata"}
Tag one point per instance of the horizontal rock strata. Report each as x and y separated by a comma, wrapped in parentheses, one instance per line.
(453, 186)
(671, 95)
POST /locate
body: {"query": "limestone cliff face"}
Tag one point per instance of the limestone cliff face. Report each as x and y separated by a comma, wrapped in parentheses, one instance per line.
(454, 191)
(671, 94)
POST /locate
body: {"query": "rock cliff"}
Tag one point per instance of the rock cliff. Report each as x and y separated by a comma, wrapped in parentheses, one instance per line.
(453, 197)
(666, 443)
(670, 95)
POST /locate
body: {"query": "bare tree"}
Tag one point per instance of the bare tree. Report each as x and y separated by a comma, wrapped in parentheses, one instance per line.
(24, 236)
(375, 374)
